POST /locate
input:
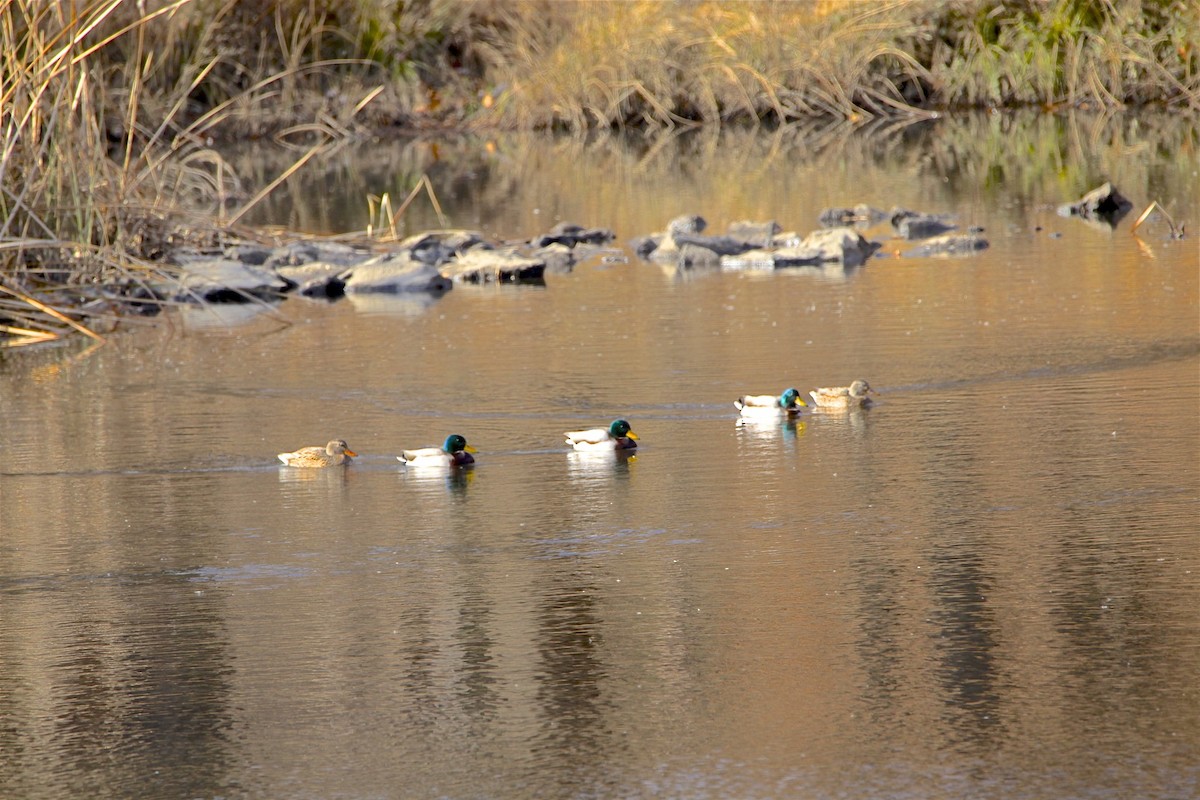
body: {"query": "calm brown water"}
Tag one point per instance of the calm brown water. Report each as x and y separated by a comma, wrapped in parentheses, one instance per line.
(987, 586)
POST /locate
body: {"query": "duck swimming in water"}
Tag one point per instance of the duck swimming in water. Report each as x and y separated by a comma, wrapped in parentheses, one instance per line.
(852, 396)
(454, 452)
(617, 436)
(766, 405)
(333, 454)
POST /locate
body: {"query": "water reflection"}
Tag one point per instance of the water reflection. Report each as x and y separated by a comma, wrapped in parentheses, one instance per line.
(591, 506)
(594, 477)
(433, 480)
(394, 304)
(966, 636)
(326, 477)
(829, 273)
(929, 598)
(854, 421)
(769, 432)
(221, 317)
(965, 156)
(301, 482)
(589, 469)
(571, 674)
(149, 684)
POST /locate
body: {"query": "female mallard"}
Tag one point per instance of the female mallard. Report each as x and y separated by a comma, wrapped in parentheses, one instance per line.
(787, 404)
(852, 396)
(454, 452)
(617, 436)
(331, 455)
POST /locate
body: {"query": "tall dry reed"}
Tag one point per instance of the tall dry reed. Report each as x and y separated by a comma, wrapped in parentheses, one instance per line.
(581, 65)
(109, 107)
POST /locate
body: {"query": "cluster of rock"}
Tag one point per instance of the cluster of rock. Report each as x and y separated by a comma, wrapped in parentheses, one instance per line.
(431, 262)
(750, 244)
(763, 245)
(434, 261)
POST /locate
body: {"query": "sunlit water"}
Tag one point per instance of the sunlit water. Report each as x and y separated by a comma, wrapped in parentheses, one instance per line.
(986, 586)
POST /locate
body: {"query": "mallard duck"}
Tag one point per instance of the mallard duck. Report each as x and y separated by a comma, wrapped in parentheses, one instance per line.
(788, 403)
(852, 396)
(333, 454)
(617, 436)
(454, 452)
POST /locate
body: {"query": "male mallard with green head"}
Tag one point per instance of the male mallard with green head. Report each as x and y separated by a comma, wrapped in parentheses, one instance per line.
(616, 436)
(766, 405)
(454, 452)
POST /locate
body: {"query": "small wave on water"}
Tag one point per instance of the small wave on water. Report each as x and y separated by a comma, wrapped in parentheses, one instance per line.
(1135, 357)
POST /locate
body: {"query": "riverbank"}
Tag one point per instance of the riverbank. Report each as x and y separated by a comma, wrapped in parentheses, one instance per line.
(264, 67)
(109, 162)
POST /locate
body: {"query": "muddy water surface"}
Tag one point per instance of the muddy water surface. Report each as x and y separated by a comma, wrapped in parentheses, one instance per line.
(986, 586)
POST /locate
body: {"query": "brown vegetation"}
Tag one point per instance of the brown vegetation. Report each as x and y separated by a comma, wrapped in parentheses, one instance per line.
(111, 107)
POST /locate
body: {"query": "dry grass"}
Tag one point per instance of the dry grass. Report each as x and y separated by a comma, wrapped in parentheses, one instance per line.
(584, 65)
(110, 107)
(106, 160)
(72, 192)
(1094, 53)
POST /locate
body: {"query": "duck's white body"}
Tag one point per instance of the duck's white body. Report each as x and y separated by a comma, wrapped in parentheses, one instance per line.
(769, 405)
(594, 439)
(454, 453)
(426, 457)
(763, 405)
(617, 436)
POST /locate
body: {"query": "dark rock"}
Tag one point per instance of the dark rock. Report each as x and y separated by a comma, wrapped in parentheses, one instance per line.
(297, 253)
(494, 266)
(720, 245)
(644, 246)
(798, 257)
(861, 214)
(845, 245)
(688, 223)
(692, 256)
(756, 234)
(394, 273)
(252, 254)
(949, 245)
(912, 226)
(558, 258)
(1102, 204)
(438, 247)
(223, 280)
(836, 217)
(570, 235)
(318, 279)
(831, 245)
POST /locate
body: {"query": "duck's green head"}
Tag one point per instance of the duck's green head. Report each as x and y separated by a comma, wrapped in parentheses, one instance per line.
(790, 399)
(457, 444)
(621, 430)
